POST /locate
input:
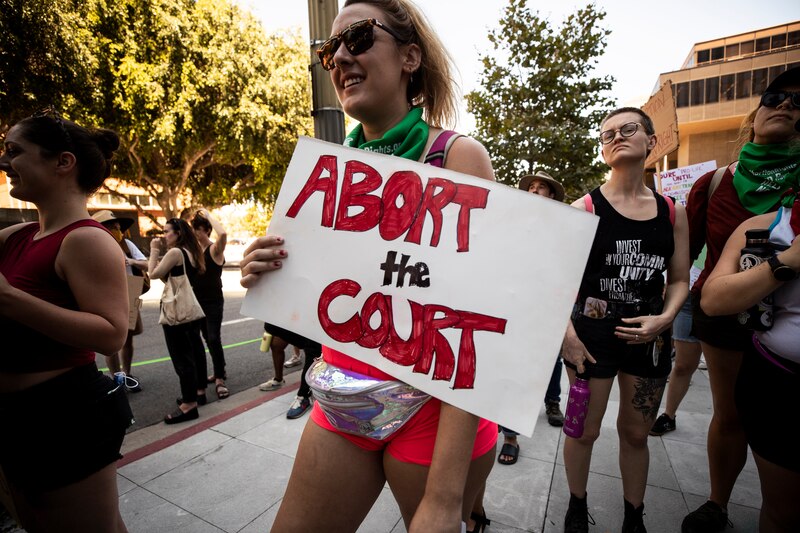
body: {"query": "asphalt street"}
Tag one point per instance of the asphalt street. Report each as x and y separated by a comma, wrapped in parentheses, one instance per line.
(247, 366)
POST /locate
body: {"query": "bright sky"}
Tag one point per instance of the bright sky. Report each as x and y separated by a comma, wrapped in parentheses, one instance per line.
(647, 38)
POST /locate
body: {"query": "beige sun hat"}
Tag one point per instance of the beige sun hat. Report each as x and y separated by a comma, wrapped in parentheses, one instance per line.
(105, 216)
(557, 188)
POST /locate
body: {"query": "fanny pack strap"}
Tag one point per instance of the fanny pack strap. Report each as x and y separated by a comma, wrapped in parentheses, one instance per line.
(766, 355)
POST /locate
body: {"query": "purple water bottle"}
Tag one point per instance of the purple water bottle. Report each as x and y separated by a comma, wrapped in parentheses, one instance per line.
(577, 407)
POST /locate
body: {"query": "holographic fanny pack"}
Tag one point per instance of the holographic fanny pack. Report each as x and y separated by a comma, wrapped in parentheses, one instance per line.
(362, 405)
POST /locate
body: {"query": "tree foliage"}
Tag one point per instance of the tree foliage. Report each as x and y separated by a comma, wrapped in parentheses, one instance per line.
(40, 58)
(539, 107)
(208, 105)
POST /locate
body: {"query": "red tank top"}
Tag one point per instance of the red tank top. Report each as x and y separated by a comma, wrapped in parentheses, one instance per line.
(29, 265)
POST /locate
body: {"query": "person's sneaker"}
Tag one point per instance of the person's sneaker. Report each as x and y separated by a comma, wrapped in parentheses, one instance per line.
(663, 424)
(132, 384)
(633, 521)
(293, 361)
(272, 384)
(554, 415)
(708, 518)
(578, 518)
(299, 407)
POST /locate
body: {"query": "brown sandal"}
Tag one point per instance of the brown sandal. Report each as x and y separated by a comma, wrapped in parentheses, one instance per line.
(222, 391)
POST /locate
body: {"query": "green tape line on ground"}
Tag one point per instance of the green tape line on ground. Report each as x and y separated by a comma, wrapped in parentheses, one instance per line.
(162, 359)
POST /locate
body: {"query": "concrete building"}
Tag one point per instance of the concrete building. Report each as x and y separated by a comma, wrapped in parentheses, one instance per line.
(720, 82)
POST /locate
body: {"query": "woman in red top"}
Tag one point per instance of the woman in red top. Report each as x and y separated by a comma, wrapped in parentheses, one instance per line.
(63, 296)
(388, 69)
(768, 165)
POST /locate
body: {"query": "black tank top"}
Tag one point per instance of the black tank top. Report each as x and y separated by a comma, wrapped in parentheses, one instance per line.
(191, 270)
(208, 286)
(628, 257)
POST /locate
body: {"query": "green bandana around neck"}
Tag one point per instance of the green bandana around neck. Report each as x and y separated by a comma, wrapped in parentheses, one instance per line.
(407, 139)
(764, 173)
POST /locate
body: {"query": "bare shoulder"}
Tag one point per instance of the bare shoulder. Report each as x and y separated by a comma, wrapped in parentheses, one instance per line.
(470, 157)
(90, 250)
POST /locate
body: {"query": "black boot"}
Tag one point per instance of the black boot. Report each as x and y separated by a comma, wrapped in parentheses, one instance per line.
(633, 522)
(577, 519)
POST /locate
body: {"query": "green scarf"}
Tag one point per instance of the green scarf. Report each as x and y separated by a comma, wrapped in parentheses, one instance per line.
(764, 173)
(406, 140)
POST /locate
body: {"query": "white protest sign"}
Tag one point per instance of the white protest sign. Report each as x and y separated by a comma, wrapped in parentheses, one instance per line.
(459, 286)
(678, 182)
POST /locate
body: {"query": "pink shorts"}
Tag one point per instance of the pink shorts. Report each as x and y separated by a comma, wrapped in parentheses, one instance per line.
(413, 442)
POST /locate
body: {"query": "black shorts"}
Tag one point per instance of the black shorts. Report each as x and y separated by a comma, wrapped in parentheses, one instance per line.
(293, 338)
(63, 430)
(721, 331)
(768, 429)
(651, 360)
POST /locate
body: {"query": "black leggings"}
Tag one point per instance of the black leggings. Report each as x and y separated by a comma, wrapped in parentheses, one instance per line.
(188, 357)
(211, 328)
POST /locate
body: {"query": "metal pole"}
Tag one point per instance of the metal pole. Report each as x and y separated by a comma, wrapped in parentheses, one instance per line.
(326, 110)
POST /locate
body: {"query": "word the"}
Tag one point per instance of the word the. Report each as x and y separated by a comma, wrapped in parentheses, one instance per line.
(418, 273)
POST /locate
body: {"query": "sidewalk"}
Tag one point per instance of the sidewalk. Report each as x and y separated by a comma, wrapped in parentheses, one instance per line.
(228, 473)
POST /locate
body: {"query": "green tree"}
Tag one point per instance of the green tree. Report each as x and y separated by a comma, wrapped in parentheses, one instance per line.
(208, 106)
(40, 58)
(205, 100)
(539, 107)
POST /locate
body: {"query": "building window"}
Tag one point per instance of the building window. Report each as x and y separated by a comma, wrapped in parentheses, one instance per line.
(747, 47)
(743, 84)
(732, 50)
(727, 87)
(698, 88)
(717, 53)
(760, 80)
(762, 44)
(779, 41)
(703, 56)
(793, 38)
(712, 90)
(776, 71)
(681, 94)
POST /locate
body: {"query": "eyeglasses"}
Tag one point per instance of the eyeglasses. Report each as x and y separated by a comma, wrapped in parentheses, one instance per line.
(774, 99)
(627, 130)
(52, 113)
(357, 38)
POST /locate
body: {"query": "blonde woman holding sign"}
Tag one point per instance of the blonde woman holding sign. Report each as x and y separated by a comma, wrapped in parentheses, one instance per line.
(392, 74)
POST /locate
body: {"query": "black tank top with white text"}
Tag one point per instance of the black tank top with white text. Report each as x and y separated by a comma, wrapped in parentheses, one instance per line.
(628, 257)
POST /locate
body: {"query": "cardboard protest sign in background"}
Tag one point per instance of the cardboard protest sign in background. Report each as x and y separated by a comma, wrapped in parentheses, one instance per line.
(459, 286)
(679, 181)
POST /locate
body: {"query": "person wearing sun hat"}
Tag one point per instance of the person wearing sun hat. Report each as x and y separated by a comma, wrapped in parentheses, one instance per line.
(543, 184)
(135, 265)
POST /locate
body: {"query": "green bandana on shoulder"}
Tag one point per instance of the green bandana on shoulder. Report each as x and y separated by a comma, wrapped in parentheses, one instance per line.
(764, 173)
(406, 140)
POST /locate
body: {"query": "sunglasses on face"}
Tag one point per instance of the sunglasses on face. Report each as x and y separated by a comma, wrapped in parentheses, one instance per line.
(627, 130)
(357, 38)
(774, 99)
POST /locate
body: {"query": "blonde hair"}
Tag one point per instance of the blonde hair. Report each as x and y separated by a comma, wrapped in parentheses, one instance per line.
(746, 132)
(432, 86)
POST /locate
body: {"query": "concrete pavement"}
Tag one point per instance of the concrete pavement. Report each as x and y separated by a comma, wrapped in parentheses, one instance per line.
(229, 474)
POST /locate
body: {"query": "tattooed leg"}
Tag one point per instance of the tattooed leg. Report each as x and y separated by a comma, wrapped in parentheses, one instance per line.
(640, 399)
